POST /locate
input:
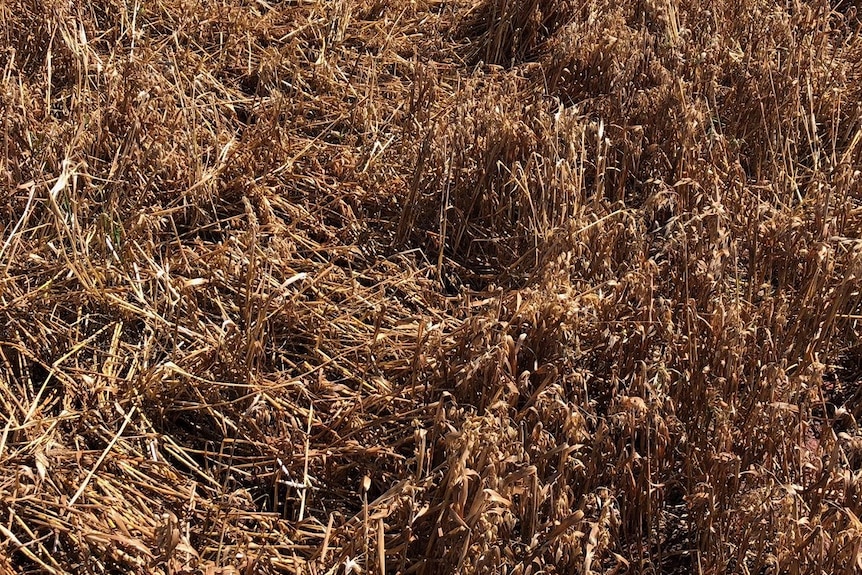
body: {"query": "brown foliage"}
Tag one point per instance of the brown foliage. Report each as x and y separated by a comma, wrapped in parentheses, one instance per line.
(424, 287)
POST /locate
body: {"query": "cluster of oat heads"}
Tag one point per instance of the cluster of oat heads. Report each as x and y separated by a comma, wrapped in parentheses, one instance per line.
(481, 286)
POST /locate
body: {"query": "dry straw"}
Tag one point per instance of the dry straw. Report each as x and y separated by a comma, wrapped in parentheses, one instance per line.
(430, 287)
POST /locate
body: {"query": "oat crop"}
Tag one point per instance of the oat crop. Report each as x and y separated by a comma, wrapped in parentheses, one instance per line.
(426, 286)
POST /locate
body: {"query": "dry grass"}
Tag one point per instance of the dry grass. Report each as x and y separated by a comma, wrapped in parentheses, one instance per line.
(480, 286)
